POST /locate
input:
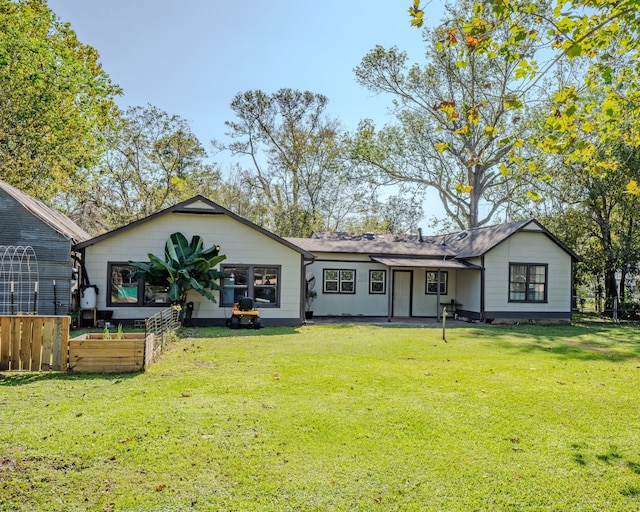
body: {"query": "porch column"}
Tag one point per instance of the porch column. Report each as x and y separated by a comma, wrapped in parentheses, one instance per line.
(438, 297)
(389, 293)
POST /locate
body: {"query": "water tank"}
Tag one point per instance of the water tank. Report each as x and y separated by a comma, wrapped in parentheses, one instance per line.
(88, 297)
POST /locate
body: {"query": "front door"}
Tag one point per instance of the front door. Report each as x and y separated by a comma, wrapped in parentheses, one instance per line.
(401, 293)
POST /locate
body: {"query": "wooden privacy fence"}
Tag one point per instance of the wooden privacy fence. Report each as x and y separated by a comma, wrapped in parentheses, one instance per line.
(34, 343)
(41, 343)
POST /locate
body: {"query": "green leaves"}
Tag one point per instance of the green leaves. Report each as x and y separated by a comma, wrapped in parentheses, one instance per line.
(416, 14)
(153, 160)
(187, 266)
(599, 40)
(575, 50)
(55, 99)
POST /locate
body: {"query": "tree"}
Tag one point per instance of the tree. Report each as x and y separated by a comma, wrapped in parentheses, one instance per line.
(399, 214)
(237, 193)
(595, 214)
(186, 266)
(593, 183)
(153, 160)
(55, 100)
(297, 158)
(460, 121)
(604, 33)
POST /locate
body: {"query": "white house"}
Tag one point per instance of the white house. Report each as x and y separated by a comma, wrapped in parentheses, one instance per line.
(509, 271)
(261, 265)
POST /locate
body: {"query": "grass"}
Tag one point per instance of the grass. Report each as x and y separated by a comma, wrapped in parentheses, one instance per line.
(340, 417)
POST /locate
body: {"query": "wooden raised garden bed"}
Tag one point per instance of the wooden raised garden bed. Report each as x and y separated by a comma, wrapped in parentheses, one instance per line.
(114, 353)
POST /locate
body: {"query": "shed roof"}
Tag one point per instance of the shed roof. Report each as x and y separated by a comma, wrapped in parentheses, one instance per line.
(437, 263)
(53, 218)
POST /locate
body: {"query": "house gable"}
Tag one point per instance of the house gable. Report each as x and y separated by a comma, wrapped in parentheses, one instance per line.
(249, 251)
(480, 241)
(198, 205)
(527, 248)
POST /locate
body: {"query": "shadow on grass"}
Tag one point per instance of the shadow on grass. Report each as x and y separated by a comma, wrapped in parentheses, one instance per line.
(585, 341)
(226, 332)
(584, 457)
(25, 378)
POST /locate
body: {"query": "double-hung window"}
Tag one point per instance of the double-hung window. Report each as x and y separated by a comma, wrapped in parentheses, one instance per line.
(124, 291)
(339, 281)
(260, 282)
(377, 281)
(431, 285)
(527, 282)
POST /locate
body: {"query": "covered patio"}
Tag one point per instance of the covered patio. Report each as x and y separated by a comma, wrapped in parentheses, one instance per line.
(438, 267)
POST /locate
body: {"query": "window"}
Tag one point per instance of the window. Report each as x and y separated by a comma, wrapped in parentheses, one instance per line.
(125, 291)
(255, 281)
(377, 281)
(527, 282)
(431, 286)
(339, 281)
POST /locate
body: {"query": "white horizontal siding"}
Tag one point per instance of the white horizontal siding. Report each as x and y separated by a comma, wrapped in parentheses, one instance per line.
(362, 303)
(527, 247)
(359, 303)
(427, 304)
(468, 289)
(238, 242)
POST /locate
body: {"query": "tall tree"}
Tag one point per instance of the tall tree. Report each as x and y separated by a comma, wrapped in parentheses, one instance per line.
(595, 213)
(153, 160)
(297, 159)
(400, 214)
(604, 33)
(55, 99)
(460, 120)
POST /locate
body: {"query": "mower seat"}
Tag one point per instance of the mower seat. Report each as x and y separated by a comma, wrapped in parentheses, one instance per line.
(245, 304)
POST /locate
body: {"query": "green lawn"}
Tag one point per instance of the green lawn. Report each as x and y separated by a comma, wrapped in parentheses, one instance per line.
(337, 417)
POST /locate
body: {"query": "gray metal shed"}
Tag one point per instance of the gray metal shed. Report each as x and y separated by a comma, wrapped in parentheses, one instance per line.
(25, 221)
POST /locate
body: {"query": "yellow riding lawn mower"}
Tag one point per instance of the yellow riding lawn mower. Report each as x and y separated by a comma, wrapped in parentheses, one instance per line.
(243, 314)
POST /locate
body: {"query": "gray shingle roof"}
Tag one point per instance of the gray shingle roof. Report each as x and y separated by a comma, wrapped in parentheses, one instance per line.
(470, 243)
(53, 218)
(473, 243)
(387, 245)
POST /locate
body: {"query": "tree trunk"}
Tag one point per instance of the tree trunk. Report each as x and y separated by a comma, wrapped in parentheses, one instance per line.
(610, 288)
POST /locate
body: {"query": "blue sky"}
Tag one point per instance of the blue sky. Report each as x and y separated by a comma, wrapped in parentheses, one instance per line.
(191, 57)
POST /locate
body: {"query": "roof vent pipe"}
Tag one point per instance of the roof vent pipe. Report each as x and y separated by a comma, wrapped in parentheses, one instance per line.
(420, 235)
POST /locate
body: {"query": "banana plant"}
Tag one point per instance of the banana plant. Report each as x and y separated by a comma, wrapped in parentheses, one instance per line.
(186, 266)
